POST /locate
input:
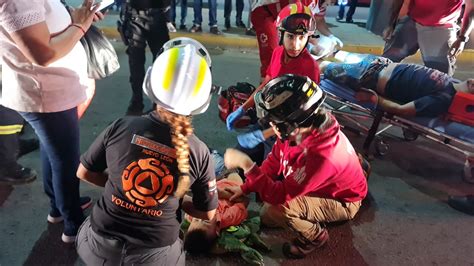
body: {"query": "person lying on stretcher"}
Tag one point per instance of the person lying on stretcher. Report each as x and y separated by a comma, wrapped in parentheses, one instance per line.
(401, 89)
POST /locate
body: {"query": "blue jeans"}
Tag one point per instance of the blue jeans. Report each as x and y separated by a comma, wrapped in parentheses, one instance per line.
(212, 12)
(58, 133)
(184, 11)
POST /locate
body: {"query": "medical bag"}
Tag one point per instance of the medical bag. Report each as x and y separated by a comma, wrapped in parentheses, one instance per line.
(231, 99)
(462, 108)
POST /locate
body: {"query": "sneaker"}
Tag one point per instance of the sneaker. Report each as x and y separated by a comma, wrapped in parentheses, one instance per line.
(338, 18)
(68, 239)
(171, 27)
(227, 23)
(240, 24)
(215, 30)
(300, 247)
(182, 27)
(55, 218)
(462, 203)
(349, 20)
(135, 109)
(27, 146)
(195, 28)
(250, 32)
(17, 175)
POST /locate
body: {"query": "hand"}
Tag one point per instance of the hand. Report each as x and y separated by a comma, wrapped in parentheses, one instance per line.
(236, 192)
(236, 159)
(388, 33)
(456, 48)
(84, 14)
(251, 139)
(233, 117)
(337, 42)
(98, 16)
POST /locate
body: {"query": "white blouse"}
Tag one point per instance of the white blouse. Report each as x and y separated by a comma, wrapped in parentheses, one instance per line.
(28, 87)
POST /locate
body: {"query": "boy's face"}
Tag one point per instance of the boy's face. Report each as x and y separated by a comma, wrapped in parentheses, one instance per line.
(210, 227)
(294, 43)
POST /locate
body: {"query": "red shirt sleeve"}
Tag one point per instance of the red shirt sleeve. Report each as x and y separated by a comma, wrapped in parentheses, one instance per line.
(306, 176)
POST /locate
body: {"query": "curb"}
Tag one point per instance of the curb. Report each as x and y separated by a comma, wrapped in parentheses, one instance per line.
(244, 42)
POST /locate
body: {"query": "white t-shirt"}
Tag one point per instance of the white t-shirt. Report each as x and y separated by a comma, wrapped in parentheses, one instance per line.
(28, 87)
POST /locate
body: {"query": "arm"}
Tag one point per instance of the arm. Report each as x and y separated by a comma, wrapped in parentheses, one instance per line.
(407, 109)
(189, 208)
(395, 11)
(322, 26)
(303, 177)
(41, 48)
(467, 24)
(94, 178)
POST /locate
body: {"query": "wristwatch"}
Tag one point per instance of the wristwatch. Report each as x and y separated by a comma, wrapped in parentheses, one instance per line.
(463, 38)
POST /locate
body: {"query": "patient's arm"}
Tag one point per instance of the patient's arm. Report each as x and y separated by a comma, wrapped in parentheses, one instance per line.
(407, 109)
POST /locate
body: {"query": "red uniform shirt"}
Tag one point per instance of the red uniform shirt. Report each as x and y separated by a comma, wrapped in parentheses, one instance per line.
(437, 13)
(324, 165)
(303, 65)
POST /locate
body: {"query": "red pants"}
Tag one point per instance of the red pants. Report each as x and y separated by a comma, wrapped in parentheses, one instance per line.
(263, 19)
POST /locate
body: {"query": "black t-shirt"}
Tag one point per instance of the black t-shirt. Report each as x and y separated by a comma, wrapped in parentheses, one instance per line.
(137, 204)
(431, 91)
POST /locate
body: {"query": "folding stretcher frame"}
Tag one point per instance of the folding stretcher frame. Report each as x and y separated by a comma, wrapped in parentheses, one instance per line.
(456, 136)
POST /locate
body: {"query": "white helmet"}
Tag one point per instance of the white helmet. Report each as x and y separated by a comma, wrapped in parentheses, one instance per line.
(180, 81)
(181, 41)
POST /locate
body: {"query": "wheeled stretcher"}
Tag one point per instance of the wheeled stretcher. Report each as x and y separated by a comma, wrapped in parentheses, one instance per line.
(457, 136)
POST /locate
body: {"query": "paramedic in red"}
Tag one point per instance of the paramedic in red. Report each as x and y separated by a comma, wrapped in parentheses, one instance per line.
(295, 24)
(264, 15)
(312, 175)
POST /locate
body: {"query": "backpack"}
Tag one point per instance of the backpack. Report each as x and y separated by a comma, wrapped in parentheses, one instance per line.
(231, 99)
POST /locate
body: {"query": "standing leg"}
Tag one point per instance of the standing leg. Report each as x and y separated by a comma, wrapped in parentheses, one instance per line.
(61, 153)
(227, 11)
(239, 8)
(263, 20)
(213, 17)
(11, 173)
(184, 12)
(351, 11)
(197, 7)
(340, 13)
(404, 41)
(157, 35)
(434, 46)
(136, 62)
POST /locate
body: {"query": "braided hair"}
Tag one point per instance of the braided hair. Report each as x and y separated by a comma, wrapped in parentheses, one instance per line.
(181, 129)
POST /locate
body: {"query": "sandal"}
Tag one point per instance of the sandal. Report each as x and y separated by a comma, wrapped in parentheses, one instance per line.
(300, 247)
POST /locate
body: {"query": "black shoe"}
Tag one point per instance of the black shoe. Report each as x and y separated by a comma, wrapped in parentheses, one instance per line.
(338, 18)
(195, 28)
(27, 146)
(349, 20)
(462, 203)
(240, 24)
(17, 175)
(250, 32)
(215, 30)
(135, 109)
(227, 23)
(182, 27)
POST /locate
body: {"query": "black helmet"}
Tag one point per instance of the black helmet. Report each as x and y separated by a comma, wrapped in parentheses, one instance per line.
(289, 101)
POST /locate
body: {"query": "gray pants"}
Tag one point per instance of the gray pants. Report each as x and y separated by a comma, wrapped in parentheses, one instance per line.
(433, 42)
(94, 249)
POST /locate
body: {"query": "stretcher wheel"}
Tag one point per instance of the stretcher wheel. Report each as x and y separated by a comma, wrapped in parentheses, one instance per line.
(409, 135)
(381, 147)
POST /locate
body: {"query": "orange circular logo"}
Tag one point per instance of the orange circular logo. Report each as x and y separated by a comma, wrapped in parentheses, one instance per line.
(147, 182)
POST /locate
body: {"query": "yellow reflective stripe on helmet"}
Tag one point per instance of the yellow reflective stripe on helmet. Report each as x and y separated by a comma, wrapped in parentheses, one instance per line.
(10, 130)
(307, 10)
(293, 9)
(170, 68)
(200, 76)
